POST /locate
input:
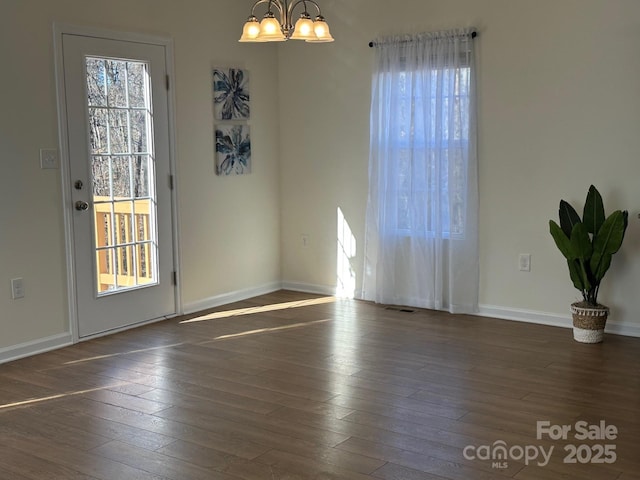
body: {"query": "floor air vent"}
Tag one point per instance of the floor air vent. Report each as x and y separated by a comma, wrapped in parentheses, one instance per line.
(400, 309)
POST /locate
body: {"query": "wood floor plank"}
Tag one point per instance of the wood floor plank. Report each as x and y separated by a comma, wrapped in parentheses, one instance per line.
(262, 429)
(43, 428)
(227, 441)
(75, 460)
(199, 455)
(157, 463)
(18, 464)
(391, 471)
(64, 417)
(303, 467)
(426, 463)
(336, 382)
(300, 386)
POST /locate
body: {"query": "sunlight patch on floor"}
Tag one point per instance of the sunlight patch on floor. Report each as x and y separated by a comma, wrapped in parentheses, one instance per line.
(119, 354)
(60, 395)
(267, 330)
(262, 309)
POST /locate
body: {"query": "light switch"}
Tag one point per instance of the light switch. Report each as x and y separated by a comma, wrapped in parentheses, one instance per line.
(17, 288)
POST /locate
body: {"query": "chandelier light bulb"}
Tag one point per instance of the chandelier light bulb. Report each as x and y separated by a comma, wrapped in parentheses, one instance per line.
(270, 29)
(321, 30)
(270, 26)
(304, 28)
(251, 30)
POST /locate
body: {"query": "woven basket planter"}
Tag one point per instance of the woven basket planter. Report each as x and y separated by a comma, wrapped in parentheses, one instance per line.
(588, 322)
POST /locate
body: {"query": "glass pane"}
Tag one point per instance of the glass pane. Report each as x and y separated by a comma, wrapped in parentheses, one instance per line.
(116, 83)
(103, 224)
(139, 131)
(106, 275)
(145, 263)
(96, 96)
(125, 269)
(137, 84)
(142, 221)
(121, 175)
(98, 130)
(123, 222)
(141, 176)
(100, 174)
(119, 131)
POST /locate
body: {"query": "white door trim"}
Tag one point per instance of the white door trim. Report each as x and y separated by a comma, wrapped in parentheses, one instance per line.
(60, 29)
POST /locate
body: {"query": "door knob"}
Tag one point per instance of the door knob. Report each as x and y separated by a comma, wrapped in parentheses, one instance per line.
(81, 206)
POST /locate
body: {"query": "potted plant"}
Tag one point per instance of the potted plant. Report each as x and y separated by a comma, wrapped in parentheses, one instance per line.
(588, 243)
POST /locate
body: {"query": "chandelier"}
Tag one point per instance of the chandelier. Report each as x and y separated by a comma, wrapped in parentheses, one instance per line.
(272, 29)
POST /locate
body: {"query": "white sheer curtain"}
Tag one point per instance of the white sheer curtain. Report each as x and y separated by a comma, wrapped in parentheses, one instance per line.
(421, 244)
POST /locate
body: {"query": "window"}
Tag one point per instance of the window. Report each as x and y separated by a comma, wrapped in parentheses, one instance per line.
(430, 149)
(122, 171)
(422, 229)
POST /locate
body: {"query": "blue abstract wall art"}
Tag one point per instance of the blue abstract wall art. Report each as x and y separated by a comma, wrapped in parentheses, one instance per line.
(233, 150)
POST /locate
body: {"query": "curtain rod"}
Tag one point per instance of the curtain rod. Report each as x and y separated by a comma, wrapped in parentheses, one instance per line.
(374, 43)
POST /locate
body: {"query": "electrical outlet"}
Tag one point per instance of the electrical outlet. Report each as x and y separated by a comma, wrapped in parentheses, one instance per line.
(524, 262)
(17, 288)
(49, 158)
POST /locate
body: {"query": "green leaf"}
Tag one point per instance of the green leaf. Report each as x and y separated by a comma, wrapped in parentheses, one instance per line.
(611, 233)
(607, 242)
(593, 215)
(562, 241)
(576, 275)
(582, 249)
(599, 266)
(568, 217)
(580, 242)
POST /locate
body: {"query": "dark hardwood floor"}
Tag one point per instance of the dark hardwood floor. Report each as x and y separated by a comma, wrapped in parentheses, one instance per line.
(298, 386)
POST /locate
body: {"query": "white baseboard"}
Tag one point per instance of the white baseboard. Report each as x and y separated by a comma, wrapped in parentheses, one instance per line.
(231, 297)
(555, 320)
(622, 329)
(527, 316)
(14, 352)
(309, 288)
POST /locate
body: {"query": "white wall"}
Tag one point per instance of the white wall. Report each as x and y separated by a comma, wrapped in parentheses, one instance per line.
(229, 227)
(559, 109)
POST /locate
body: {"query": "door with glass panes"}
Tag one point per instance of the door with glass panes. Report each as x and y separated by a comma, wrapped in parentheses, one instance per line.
(118, 137)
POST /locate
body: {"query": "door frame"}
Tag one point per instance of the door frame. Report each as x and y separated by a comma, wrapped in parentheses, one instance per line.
(60, 29)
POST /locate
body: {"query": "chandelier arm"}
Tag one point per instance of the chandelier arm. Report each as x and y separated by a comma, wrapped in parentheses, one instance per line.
(270, 2)
(298, 2)
(258, 2)
(282, 9)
